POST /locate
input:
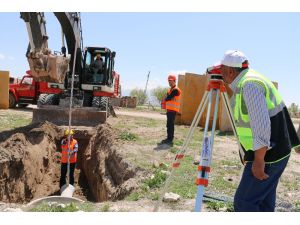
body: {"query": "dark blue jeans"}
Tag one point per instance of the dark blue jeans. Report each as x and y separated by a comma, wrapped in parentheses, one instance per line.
(255, 195)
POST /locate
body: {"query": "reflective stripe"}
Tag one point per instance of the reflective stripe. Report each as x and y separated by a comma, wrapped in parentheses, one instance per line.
(173, 104)
(276, 110)
(278, 159)
(241, 123)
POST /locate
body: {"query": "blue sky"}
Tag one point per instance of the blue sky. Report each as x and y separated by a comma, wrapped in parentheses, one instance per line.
(169, 42)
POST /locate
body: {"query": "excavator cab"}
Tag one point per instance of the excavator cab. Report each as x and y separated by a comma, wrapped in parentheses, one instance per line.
(98, 77)
(95, 72)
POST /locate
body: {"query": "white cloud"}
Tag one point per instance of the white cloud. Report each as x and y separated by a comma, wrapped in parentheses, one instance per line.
(11, 58)
(2, 57)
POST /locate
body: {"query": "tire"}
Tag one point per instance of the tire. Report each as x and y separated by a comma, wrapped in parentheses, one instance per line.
(96, 102)
(12, 100)
(52, 99)
(101, 102)
(42, 100)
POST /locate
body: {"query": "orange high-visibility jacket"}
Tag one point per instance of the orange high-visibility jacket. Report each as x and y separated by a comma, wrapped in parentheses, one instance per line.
(73, 150)
(174, 103)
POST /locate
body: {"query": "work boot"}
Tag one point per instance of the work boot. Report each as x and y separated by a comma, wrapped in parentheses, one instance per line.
(169, 142)
(163, 142)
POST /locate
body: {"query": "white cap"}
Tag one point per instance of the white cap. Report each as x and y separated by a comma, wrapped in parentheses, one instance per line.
(234, 58)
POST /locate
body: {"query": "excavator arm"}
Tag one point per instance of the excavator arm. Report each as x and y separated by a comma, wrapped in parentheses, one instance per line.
(44, 65)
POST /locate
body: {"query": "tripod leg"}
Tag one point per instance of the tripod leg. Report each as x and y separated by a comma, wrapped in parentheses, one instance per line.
(215, 117)
(194, 124)
(232, 123)
(206, 154)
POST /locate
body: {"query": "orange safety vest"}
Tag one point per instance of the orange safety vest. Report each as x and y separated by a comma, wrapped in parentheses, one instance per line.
(174, 103)
(64, 151)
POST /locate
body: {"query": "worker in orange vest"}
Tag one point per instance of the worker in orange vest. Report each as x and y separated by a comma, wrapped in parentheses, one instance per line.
(172, 105)
(64, 158)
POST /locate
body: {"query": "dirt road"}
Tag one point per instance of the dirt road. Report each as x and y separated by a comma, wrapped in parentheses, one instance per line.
(150, 115)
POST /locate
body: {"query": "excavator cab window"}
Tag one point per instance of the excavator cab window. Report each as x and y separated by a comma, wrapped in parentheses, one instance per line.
(93, 71)
(88, 59)
(97, 66)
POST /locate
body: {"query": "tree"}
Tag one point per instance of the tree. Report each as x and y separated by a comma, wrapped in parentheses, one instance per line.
(141, 97)
(159, 93)
(293, 109)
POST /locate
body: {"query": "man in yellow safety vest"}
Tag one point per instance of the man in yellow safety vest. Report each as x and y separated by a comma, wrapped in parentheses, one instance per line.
(264, 129)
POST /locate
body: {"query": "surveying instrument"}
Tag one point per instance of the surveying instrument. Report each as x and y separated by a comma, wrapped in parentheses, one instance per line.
(215, 85)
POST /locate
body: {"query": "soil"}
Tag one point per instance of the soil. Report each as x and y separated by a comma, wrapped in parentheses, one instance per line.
(30, 164)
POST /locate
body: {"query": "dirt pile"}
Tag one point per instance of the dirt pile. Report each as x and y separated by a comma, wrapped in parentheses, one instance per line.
(30, 164)
(109, 175)
(27, 163)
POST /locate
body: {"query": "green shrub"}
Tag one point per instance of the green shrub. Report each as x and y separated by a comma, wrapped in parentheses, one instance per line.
(127, 136)
(156, 181)
(227, 206)
(55, 208)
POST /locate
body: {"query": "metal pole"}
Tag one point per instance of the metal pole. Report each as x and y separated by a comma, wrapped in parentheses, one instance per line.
(70, 113)
(206, 156)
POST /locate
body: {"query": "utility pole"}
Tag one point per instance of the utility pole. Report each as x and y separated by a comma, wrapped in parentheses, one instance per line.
(147, 83)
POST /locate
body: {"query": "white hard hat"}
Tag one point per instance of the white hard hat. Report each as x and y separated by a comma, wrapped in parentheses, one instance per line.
(234, 58)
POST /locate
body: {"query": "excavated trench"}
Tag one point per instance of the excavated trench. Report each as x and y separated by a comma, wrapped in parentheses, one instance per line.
(30, 164)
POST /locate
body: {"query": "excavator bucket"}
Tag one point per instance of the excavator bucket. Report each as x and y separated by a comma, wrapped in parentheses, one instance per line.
(47, 67)
(84, 116)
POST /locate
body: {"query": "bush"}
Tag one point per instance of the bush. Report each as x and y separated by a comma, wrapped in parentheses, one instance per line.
(157, 180)
(140, 95)
(159, 93)
(128, 136)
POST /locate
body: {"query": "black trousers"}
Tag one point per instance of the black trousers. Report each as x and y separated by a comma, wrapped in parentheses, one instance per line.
(170, 124)
(63, 172)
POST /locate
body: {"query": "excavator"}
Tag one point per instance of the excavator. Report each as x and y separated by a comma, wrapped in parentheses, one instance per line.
(69, 73)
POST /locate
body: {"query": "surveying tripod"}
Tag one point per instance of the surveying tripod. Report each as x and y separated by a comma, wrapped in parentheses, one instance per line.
(215, 85)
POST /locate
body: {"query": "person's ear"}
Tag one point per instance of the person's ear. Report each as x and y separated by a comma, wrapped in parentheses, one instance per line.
(232, 72)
